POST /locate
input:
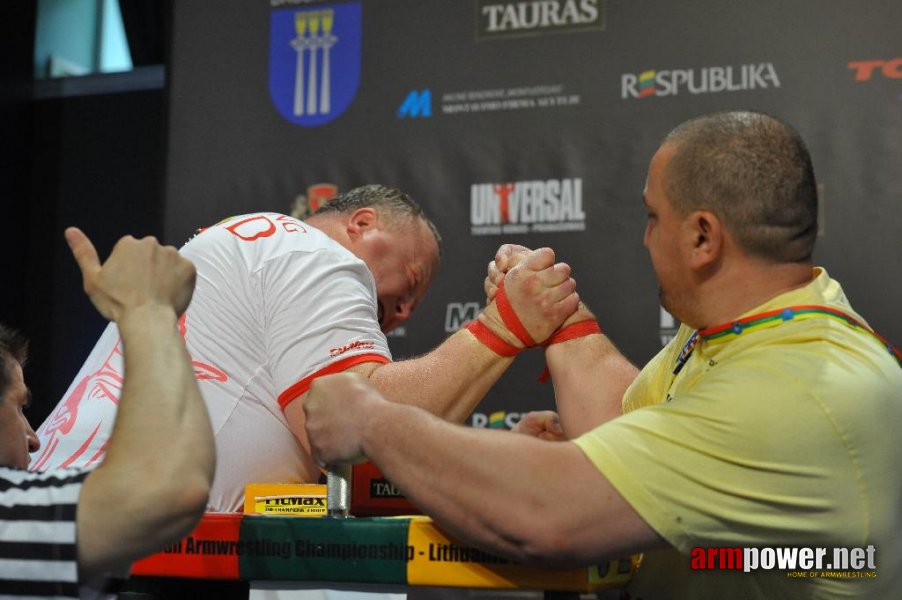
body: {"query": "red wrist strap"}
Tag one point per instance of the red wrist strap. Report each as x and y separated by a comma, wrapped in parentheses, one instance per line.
(510, 318)
(570, 332)
(491, 340)
(573, 331)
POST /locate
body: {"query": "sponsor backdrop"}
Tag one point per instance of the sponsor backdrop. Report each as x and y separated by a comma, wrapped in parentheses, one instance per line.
(533, 122)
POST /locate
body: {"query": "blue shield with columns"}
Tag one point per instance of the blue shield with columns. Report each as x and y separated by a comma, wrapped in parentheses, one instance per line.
(314, 61)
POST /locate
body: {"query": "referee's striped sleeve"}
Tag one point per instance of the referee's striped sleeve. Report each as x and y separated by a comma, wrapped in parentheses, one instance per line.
(37, 533)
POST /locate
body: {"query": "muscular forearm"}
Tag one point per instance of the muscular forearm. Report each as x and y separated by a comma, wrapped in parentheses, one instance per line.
(155, 479)
(449, 381)
(590, 377)
(534, 501)
(452, 379)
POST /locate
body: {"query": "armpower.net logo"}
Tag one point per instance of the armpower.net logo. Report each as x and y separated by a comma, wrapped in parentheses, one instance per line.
(797, 562)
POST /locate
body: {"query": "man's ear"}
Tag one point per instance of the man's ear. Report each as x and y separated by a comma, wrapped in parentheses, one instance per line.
(361, 220)
(705, 235)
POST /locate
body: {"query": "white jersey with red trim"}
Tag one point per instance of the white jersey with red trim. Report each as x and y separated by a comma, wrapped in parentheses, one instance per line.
(277, 304)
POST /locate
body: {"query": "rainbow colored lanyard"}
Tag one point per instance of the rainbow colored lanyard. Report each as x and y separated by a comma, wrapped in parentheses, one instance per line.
(726, 332)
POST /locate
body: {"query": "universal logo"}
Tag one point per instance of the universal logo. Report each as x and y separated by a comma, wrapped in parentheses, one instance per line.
(496, 19)
(542, 206)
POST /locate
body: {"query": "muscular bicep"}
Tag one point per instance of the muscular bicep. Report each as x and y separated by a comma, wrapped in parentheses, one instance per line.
(294, 409)
(602, 523)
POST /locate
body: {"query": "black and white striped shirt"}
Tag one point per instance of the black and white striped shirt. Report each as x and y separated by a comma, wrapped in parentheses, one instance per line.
(37, 533)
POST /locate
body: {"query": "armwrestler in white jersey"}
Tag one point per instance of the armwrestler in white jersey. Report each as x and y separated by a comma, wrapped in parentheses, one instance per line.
(280, 302)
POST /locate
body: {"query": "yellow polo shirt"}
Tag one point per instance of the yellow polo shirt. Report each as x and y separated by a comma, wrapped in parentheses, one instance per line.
(785, 436)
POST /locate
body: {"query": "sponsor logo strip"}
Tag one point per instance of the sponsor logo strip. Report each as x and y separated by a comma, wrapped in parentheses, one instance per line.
(210, 551)
(704, 80)
(505, 99)
(410, 551)
(496, 19)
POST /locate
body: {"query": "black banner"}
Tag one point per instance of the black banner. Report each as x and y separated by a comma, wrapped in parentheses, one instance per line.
(533, 122)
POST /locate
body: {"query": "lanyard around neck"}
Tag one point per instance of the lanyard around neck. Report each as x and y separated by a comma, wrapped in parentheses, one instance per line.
(728, 331)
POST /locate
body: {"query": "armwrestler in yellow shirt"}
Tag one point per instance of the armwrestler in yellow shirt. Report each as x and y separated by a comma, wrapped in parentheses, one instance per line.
(769, 421)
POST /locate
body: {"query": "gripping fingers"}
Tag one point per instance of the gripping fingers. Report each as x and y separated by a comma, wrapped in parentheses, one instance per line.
(540, 259)
(560, 303)
(568, 305)
(555, 275)
(543, 424)
(535, 268)
(492, 281)
(495, 275)
(509, 255)
(559, 292)
(490, 290)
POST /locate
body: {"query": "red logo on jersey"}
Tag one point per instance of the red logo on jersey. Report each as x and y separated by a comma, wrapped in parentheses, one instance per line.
(104, 385)
(290, 224)
(98, 393)
(368, 345)
(253, 228)
(260, 226)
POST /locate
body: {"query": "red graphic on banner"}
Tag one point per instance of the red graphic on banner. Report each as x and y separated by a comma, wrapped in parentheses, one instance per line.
(865, 69)
(504, 191)
(320, 193)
